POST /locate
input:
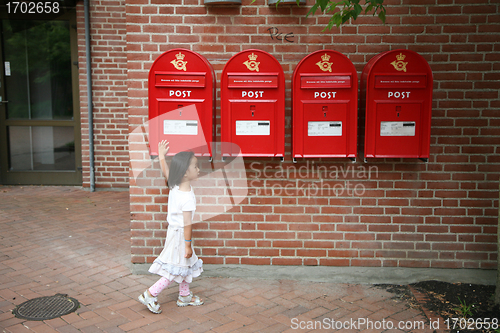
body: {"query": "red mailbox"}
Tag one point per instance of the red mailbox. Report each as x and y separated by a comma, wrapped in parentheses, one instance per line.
(253, 104)
(181, 102)
(398, 87)
(325, 106)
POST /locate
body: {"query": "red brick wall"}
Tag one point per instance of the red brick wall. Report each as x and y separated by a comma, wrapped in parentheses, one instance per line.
(409, 214)
(109, 93)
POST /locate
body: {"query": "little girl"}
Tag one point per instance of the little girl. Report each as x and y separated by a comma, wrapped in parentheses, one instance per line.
(177, 262)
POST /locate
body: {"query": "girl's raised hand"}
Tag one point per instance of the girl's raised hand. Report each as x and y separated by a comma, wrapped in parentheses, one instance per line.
(163, 148)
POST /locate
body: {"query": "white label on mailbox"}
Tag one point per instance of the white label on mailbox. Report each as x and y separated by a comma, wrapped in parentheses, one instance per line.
(253, 127)
(180, 127)
(7, 68)
(397, 128)
(324, 128)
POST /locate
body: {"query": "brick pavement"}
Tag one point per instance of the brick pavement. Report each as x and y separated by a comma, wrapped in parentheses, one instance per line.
(67, 240)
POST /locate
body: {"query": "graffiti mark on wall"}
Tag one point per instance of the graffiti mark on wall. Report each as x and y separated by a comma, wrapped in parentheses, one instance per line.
(276, 35)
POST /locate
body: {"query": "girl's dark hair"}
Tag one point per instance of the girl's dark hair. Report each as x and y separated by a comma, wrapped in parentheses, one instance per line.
(178, 167)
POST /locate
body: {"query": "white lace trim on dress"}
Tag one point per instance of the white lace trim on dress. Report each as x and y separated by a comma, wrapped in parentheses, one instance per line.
(178, 270)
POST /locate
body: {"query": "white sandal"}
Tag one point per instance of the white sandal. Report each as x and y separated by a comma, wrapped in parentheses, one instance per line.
(150, 301)
(189, 300)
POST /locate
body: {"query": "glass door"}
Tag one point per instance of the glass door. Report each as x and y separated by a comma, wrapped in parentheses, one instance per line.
(39, 114)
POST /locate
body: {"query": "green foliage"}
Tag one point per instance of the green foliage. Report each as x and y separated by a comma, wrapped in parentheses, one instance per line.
(464, 309)
(347, 9)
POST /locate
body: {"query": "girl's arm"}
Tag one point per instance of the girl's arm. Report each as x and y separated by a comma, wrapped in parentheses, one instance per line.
(187, 215)
(162, 151)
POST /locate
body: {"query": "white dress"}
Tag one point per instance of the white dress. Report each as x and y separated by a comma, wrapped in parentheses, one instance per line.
(171, 263)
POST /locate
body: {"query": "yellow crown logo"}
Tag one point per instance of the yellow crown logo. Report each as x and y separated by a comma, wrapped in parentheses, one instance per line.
(400, 65)
(252, 57)
(325, 65)
(180, 56)
(251, 63)
(179, 64)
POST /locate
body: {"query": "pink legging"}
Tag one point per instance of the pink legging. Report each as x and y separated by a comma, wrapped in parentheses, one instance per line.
(163, 283)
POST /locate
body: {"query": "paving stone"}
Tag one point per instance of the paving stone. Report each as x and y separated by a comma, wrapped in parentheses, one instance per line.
(67, 240)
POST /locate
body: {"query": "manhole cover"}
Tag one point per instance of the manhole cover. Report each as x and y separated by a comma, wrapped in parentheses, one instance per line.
(44, 308)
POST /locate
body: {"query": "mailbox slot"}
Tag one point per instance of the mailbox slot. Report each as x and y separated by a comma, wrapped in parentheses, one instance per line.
(309, 81)
(243, 80)
(400, 81)
(170, 79)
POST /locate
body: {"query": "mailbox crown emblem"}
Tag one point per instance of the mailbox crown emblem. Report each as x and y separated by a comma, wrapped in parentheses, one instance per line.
(325, 65)
(251, 63)
(179, 62)
(399, 64)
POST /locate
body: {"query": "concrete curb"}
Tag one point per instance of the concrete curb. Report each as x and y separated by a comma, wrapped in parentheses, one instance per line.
(354, 275)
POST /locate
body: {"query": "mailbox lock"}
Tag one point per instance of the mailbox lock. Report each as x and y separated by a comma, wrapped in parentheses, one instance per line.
(252, 108)
(325, 108)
